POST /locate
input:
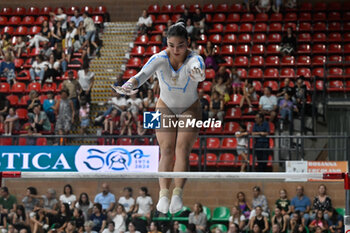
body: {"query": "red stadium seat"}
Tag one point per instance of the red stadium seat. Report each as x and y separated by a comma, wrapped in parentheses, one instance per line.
(87, 9)
(211, 159)
(137, 51)
(319, 27)
(334, 16)
(228, 61)
(98, 19)
(249, 126)
(18, 62)
(202, 39)
(21, 31)
(271, 73)
(23, 100)
(70, 10)
(304, 27)
(257, 61)
(229, 39)
(56, 10)
(100, 10)
(258, 49)
(306, 72)
(272, 84)
(215, 38)
(209, 73)
(243, 72)
(260, 27)
(217, 28)
(289, 25)
(318, 72)
(334, 6)
(167, 9)
(49, 87)
(335, 85)
(223, 7)
(227, 50)
(45, 10)
(334, 27)
(274, 38)
(21, 11)
(28, 20)
(229, 143)
(22, 113)
(155, 40)
(290, 17)
(34, 86)
(134, 62)
(213, 143)
(237, 7)
(304, 49)
(335, 49)
(275, 27)
(288, 61)
(219, 18)
(193, 159)
(233, 113)
(335, 37)
(318, 60)
(226, 160)
(335, 72)
(193, 7)
(242, 49)
(152, 50)
(272, 61)
(124, 141)
(287, 73)
(213, 131)
(304, 16)
(129, 73)
(18, 87)
(141, 40)
(320, 6)
(6, 11)
(261, 17)
(208, 8)
(206, 86)
(347, 48)
(153, 9)
(13, 99)
(41, 142)
(14, 20)
(257, 86)
(244, 38)
(255, 73)
(231, 127)
(247, 17)
(3, 20)
(162, 18)
(319, 16)
(233, 18)
(175, 18)
(235, 99)
(39, 20)
(303, 61)
(180, 8)
(241, 61)
(34, 30)
(259, 38)
(6, 142)
(246, 27)
(304, 37)
(276, 17)
(273, 49)
(43, 97)
(319, 49)
(231, 28)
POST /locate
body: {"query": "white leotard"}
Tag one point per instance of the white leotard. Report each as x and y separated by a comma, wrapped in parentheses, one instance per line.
(177, 90)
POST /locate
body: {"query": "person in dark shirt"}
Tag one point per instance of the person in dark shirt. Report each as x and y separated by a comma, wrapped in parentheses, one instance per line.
(261, 128)
(4, 107)
(98, 218)
(33, 101)
(198, 19)
(287, 88)
(289, 42)
(204, 104)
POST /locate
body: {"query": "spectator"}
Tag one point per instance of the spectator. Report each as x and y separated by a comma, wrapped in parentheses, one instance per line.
(153, 228)
(259, 199)
(287, 88)
(49, 105)
(204, 104)
(78, 219)
(76, 18)
(242, 145)
(90, 30)
(68, 196)
(191, 228)
(127, 200)
(33, 100)
(319, 221)
(268, 104)
(283, 203)
(53, 69)
(60, 220)
(73, 87)
(132, 228)
(299, 229)
(260, 220)
(38, 221)
(7, 68)
(60, 17)
(186, 15)
(105, 198)
(71, 227)
(84, 116)
(175, 228)
(249, 94)
(144, 204)
(118, 216)
(290, 4)
(111, 122)
(39, 120)
(20, 47)
(47, 50)
(263, 6)
(50, 201)
(198, 218)
(220, 87)
(235, 77)
(30, 140)
(300, 92)
(110, 228)
(195, 47)
(98, 218)
(86, 80)
(189, 27)
(275, 228)
(199, 20)
(242, 204)
(209, 53)
(134, 106)
(276, 6)
(280, 220)
(5, 44)
(4, 107)
(20, 218)
(4, 223)
(301, 203)
(85, 205)
(151, 100)
(11, 122)
(216, 107)
(233, 228)
(42, 36)
(118, 102)
(69, 40)
(286, 109)
(249, 4)
(57, 35)
(296, 221)
(237, 218)
(10, 229)
(30, 200)
(321, 201)
(335, 221)
(289, 42)
(261, 143)
(39, 67)
(144, 23)
(88, 225)
(79, 37)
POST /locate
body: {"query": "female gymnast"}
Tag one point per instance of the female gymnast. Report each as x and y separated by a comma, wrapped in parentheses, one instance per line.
(179, 70)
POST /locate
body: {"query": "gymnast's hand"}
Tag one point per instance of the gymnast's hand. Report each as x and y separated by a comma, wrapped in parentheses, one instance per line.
(126, 89)
(197, 75)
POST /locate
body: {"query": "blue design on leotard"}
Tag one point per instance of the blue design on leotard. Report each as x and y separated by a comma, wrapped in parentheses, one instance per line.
(200, 62)
(170, 88)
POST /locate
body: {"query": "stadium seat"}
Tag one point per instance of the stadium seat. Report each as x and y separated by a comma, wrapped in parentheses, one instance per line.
(318, 72)
(226, 160)
(259, 38)
(319, 37)
(288, 61)
(275, 27)
(274, 38)
(231, 28)
(100, 10)
(319, 16)
(235, 99)
(247, 17)
(255, 73)
(179, 9)
(70, 10)
(272, 61)
(303, 61)
(34, 30)
(215, 38)
(158, 29)
(23, 100)
(3, 20)
(153, 9)
(134, 62)
(256, 61)
(42, 98)
(243, 72)
(347, 48)
(318, 60)
(230, 127)
(244, 38)
(175, 18)
(34, 86)
(208, 8)
(258, 49)
(229, 143)
(246, 28)
(137, 51)
(213, 143)
(229, 39)
(228, 61)
(257, 86)
(21, 31)
(41, 142)
(202, 39)
(261, 17)
(206, 86)
(306, 72)
(13, 99)
(223, 7)
(209, 73)
(233, 18)
(320, 6)
(124, 141)
(153, 49)
(335, 49)
(45, 10)
(335, 85)
(334, 27)
(335, 37)
(335, 72)
(227, 50)
(272, 84)
(319, 49)
(287, 73)
(87, 9)
(179, 216)
(22, 113)
(233, 113)
(304, 49)
(260, 27)
(6, 11)
(193, 159)
(241, 61)
(304, 16)
(304, 27)
(304, 37)
(219, 18)
(6, 141)
(236, 7)
(18, 87)
(167, 9)
(289, 25)
(14, 21)
(196, 144)
(276, 17)
(319, 27)
(98, 19)
(334, 16)
(271, 73)
(290, 17)
(216, 28)
(243, 49)
(346, 26)
(335, 60)
(162, 18)
(28, 20)
(7, 29)
(49, 87)
(221, 214)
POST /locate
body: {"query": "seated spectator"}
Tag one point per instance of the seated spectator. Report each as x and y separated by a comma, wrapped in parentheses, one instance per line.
(20, 218)
(209, 54)
(300, 92)
(237, 218)
(20, 47)
(242, 145)
(30, 140)
(283, 203)
(79, 37)
(86, 80)
(220, 87)
(53, 69)
(249, 94)
(261, 143)
(5, 44)
(11, 229)
(11, 122)
(289, 42)
(39, 120)
(259, 220)
(49, 105)
(260, 200)
(335, 221)
(301, 203)
(268, 104)
(78, 219)
(76, 18)
(295, 221)
(216, 107)
(127, 201)
(186, 15)
(263, 6)
(71, 227)
(321, 201)
(139, 125)
(105, 198)
(285, 89)
(175, 228)
(33, 100)
(132, 228)
(73, 87)
(49, 200)
(57, 33)
(276, 6)
(38, 221)
(88, 225)
(4, 107)
(319, 221)
(110, 228)
(198, 217)
(151, 100)
(189, 27)
(242, 204)
(90, 30)
(204, 104)
(46, 51)
(275, 228)
(111, 122)
(235, 77)
(191, 228)
(7, 69)
(42, 36)
(153, 228)
(225, 74)
(118, 216)
(98, 218)
(30, 200)
(84, 116)
(85, 205)
(68, 196)
(198, 19)
(144, 204)
(287, 108)
(39, 67)
(144, 23)
(195, 47)
(300, 228)
(280, 220)
(60, 17)
(69, 40)
(61, 219)
(117, 102)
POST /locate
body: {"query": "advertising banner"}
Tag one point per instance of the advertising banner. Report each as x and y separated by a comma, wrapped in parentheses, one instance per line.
(79, 158)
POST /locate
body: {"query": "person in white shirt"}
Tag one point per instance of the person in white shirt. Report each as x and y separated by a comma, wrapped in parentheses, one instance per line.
(60, 16)
(85, 205)
(90, 30)
(242, 145)
(132, 228)
(127, 200)
(39, 67)
(268, 103)
(70, 34)
(110, 228)
(118, 216)
(144, 23)
(86, 79)
(237, 218)
(68, 196)
(150, 101)
(144, 204)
